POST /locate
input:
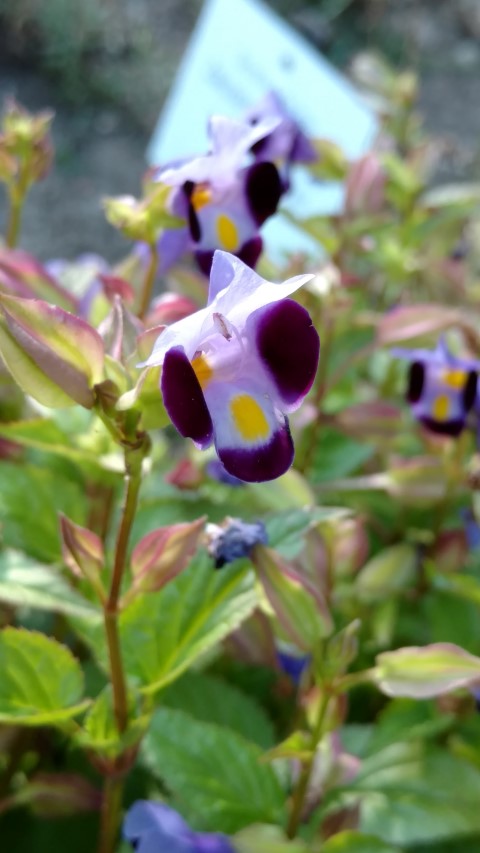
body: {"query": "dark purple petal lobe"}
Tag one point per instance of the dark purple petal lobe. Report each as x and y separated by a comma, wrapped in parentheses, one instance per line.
(183, 398)
(259, 464)
(289, 347)
(264, 188)
(416, 381)
(470, 390)
(250, 252)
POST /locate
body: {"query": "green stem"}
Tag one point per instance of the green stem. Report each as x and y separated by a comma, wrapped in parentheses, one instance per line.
(133, 476)
(17, 197)
(149, 282)
(298, 801)
(110, 814)
(13, 227)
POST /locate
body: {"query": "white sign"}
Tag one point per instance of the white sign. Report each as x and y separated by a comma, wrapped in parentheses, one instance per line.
(239, 51)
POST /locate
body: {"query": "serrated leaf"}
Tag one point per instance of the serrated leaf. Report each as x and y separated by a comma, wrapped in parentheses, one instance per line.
(30, 499)
(214, 772)
(41, 683)
(210, 699)
(413, 795)
(163, 633)
(26, 583)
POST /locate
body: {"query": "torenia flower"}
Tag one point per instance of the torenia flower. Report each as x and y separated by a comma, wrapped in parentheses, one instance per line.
(151, 827)
(441, 388)
(232, 370)
(287, 142)
(223, 200)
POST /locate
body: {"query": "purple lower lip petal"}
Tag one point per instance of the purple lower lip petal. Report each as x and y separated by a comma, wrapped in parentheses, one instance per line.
(183, 398)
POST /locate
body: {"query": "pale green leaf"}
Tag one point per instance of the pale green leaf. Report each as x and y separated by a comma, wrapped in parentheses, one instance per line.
(215, 774)
(26, 583)
(41, 683)
(163, 633)
(210, 699)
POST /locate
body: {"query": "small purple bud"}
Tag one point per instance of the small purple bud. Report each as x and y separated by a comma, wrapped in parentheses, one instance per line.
(235, 540)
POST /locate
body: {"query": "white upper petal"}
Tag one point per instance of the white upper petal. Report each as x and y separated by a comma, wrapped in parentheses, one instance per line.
(238, 290)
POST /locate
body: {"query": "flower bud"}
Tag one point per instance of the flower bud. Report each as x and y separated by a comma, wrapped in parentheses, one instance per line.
(169, 308)
(141, 220)
(22, 275)
(365, 186)
(389, 572)
(82, 552)
(26, 138)
(163, 554)
(300, 610)
(424, 672)
(54, 356)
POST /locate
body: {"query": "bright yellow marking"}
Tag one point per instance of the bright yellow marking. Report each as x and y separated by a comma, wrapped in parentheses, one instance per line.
(441, 407)
(227, 233)
(249, 419)
(454, 378)
(202, 369)
(201, 196)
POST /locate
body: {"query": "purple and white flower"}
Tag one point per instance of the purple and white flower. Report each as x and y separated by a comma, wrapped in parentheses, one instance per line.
(151, 827)
(233, 370)
(224, 201)
(286, 143)
(442, 388)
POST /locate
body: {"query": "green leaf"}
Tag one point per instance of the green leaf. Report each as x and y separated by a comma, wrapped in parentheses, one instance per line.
(286, 530)
(100, 730)
(46, 435)
(26, 583)
(163, 633)
(336, 455)
(41, 683)
(215, 774)
(411, 794)
(262, 838)
(350, 841)
(210, 699)
(30, 499)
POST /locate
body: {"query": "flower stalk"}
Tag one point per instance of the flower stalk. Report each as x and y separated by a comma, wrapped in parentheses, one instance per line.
(300, 793)
(133, 476)
(110, 814)
(149, 281)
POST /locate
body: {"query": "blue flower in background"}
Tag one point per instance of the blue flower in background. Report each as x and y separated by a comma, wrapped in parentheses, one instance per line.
(293, 662)
(472, 529)
(156, 828)
(235, 540)
(442, 388)
(217, 471)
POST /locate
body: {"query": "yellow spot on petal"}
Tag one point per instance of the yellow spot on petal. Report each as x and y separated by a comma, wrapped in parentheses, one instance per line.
(202, 369)
(454, 378)
(249, 418)
(227, 233)
(441, 407)
(201, 196)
